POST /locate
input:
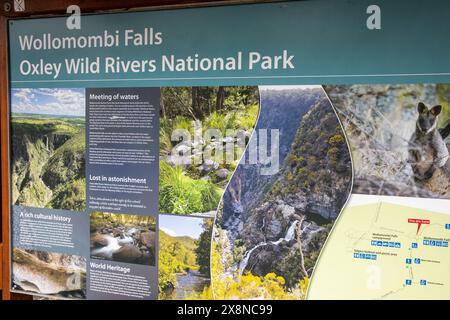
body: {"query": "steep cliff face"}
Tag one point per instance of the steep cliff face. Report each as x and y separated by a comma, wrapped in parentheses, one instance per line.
(318, 166)
(310, 191)
(279, 223)
(280, 110)
(48, 167)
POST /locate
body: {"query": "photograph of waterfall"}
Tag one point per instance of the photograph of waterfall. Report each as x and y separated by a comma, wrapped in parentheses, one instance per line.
(48, 154)
(123, 238)
(270, 228)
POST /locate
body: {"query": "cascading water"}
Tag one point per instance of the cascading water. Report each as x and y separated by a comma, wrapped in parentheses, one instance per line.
(108, 250)
(131, 231)
(243, 263)
(46, 144)
(126, 239)
(290, 234)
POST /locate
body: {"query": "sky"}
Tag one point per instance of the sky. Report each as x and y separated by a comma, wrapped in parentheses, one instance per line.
(61, 102)
(177, 226)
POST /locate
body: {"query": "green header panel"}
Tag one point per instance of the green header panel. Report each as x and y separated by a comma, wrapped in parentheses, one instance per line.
(306, 42)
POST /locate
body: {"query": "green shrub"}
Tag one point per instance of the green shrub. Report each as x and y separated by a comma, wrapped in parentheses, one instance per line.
(182, 195)
(165, 132)
(181, 122)
(246, 119)
(218, 121)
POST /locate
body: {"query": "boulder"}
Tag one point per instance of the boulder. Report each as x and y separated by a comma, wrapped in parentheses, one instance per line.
(148, 259)
(128, 253)
(182, 149)
(285, 210)
(99, 240)
(174, 161)
(116, 233)
(439, 183)
(148, 239)
(222, 173)
(208, 165)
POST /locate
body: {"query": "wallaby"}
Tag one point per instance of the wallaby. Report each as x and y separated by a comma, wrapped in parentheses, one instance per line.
(445, 131)
(427, 149)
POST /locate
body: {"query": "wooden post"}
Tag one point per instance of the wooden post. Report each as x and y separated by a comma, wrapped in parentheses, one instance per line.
(4, 173)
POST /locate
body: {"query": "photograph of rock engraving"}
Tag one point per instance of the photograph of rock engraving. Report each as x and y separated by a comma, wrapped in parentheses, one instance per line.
(399, 137)
(203, 132)
(48, 148)
(271, 228)
(123, 238)
(47, 273)
(184, 257)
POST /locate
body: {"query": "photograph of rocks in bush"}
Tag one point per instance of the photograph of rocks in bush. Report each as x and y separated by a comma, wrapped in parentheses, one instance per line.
(49, 273)
(270, 229)
(203, 133)
(399, 137)
(48, 153)
(184, 257)
(123, 238)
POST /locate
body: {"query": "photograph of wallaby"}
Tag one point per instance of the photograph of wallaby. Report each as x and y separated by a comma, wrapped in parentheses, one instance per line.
(428, 151)
(399, 137)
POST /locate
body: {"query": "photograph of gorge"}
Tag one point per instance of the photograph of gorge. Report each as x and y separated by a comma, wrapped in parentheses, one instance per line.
(48, 273)
(184, 257)
(380, 122)
(123, 238)
(270, 229)
(48, 149)
(203, 133)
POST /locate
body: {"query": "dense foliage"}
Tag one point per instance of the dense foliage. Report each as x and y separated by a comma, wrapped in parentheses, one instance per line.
(198, 102)
(176, 255)
(319, 150)
(203, 250)
(181, 194)
(248, 286)
(190, 188)
(100, 218)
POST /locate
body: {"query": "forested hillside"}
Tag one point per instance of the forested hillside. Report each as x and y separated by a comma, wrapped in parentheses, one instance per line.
(48, 162)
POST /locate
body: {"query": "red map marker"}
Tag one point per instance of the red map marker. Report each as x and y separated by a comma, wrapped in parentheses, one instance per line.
(419, 222)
